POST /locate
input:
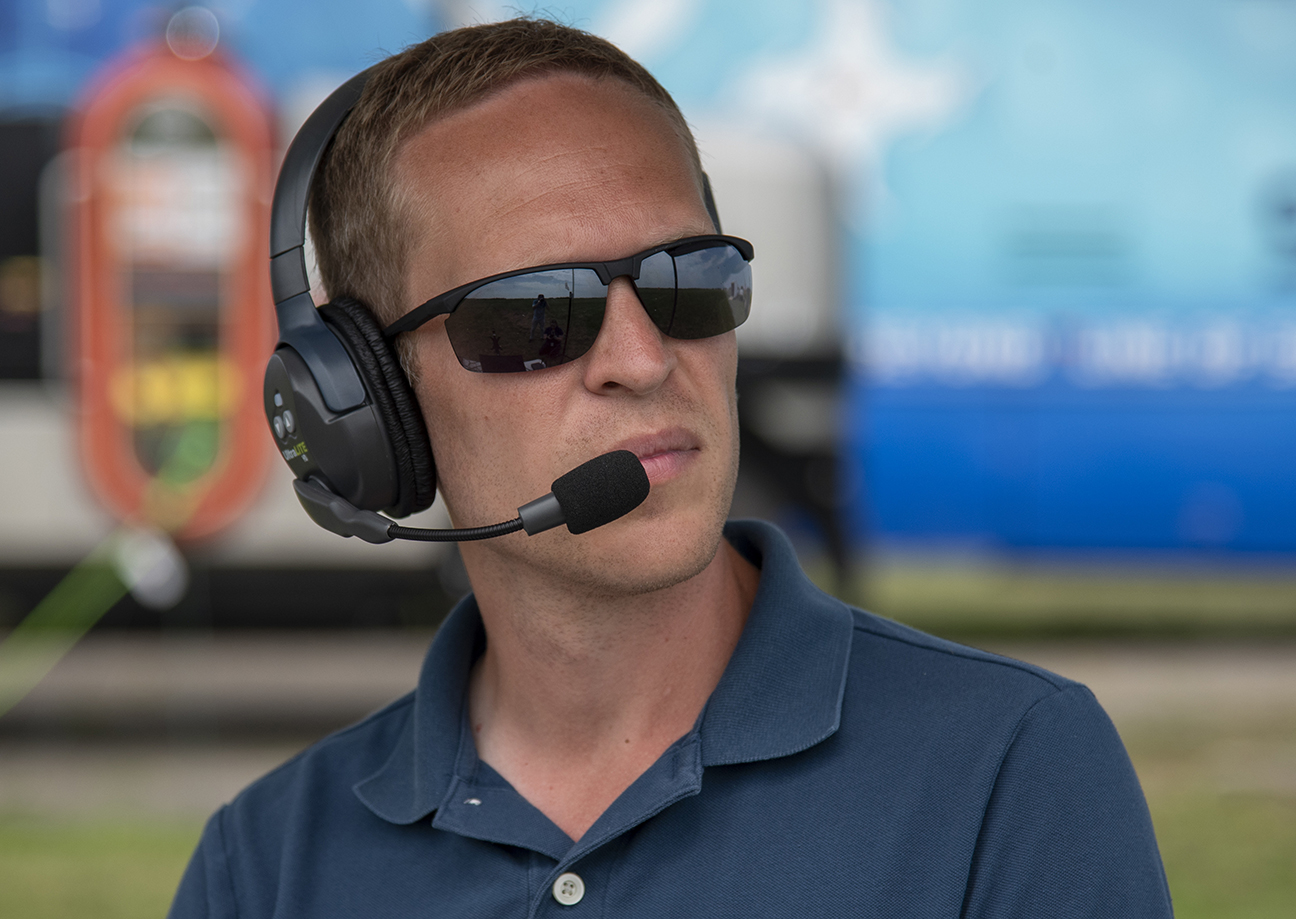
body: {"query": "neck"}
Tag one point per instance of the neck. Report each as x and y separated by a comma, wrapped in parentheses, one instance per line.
(577, 694)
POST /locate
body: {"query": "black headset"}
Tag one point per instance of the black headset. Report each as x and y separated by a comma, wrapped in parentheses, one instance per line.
(340, 407)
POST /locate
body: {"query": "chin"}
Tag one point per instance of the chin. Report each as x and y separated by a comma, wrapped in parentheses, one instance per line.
(641, 570)
(647, 551)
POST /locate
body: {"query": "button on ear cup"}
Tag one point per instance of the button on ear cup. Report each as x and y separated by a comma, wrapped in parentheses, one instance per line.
(394, 399)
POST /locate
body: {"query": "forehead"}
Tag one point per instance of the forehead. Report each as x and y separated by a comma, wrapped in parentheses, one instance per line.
(549, 169)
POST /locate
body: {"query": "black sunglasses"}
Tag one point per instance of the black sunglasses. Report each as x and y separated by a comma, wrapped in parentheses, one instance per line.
(541, 317)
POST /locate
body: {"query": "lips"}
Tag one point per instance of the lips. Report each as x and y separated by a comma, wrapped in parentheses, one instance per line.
(664, 454)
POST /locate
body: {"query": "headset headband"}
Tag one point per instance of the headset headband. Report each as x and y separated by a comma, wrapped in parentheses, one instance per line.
(300, 325)
(292, 193)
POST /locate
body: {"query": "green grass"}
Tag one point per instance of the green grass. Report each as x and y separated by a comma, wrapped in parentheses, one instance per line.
(1229, 850)
(1228, 856)
(103, 868)
(964, 600)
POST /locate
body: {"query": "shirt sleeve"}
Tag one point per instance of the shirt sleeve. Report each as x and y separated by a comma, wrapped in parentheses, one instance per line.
(1066, 831)
(206, 890)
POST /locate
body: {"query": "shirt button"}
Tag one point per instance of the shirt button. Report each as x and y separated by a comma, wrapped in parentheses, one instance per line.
(568, 889)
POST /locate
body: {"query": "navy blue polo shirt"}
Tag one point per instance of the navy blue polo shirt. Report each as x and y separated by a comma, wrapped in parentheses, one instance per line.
(844, 766)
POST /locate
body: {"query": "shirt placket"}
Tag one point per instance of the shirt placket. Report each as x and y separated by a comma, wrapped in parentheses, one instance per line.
(578, 885)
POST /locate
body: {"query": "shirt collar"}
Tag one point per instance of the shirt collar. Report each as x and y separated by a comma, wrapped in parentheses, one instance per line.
(782, 690)
(780, 693)
(421, 769)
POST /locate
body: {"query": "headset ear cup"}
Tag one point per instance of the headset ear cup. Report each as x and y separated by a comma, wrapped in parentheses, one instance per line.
(394, 399)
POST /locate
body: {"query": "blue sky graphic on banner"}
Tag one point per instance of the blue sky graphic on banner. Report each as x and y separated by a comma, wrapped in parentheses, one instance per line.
(49, 47)
(1070, 276)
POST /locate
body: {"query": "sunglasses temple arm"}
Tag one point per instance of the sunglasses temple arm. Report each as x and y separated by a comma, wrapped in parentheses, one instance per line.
(422, 313)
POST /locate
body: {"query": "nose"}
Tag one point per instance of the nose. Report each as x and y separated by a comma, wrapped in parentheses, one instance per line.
(630, 352)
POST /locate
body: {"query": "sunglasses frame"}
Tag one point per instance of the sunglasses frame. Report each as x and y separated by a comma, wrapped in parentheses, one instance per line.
(446, 303)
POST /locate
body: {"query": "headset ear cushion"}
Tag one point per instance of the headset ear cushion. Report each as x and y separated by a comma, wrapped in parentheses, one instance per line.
(394, 400)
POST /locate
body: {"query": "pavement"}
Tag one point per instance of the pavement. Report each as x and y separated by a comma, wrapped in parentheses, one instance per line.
(187, 684)
(1140, 682)
(175, 724)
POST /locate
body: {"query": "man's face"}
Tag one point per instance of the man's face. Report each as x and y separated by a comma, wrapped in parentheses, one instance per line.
(555, 169)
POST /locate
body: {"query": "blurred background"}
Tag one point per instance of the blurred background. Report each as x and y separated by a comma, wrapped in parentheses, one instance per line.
(1021, 372)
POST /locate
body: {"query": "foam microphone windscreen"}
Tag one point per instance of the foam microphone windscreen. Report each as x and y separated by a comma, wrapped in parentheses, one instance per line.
(600, 491)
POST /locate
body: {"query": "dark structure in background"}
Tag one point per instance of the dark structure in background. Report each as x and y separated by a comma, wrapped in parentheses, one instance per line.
(265, 598)
(27, 145)
(789, 412)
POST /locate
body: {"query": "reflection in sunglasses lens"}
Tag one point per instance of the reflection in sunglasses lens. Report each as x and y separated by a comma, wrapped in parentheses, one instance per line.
(714, 292)
(529, 321)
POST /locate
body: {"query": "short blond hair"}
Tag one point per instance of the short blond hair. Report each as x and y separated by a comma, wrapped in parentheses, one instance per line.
(357, 221)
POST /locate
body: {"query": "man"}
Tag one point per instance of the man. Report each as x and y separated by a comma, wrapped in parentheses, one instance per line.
(537, 315)
(661, 717)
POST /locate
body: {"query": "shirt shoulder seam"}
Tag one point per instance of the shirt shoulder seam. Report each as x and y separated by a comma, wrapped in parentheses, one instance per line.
(1009, 742)
(1058, 682)
(225, 859)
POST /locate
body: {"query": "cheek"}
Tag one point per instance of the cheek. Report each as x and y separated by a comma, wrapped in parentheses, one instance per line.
(442, 399)
(715, 363)
(486, 429)
(721, 352)
(725, 364)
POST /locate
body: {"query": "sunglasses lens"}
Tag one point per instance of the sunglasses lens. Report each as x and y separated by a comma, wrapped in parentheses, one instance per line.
(698, 293)
(656, 289)
(714, 292)
(529, 321)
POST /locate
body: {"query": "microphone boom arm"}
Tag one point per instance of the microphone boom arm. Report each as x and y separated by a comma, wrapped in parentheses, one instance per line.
(594, 493)
(467, 534)
(340, 516)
